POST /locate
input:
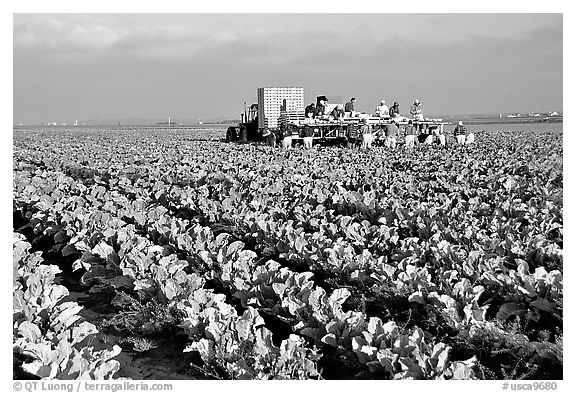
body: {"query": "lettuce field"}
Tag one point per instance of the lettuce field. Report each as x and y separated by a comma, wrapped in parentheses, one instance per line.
(168, 254)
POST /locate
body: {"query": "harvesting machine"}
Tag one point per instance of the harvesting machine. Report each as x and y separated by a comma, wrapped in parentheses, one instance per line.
(280, 110)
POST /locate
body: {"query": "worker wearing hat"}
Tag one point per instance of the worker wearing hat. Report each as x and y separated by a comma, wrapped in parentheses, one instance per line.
(382, 110)
(416, 110)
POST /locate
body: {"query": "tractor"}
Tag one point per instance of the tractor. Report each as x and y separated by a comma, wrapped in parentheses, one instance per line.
(247, 130)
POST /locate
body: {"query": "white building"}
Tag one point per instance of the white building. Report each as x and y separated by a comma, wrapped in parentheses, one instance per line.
(271, 99)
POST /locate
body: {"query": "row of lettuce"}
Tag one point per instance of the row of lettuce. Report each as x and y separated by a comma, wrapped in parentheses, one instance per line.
(441, 235)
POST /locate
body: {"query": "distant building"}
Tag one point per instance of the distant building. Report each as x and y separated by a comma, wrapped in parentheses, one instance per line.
(271, 99)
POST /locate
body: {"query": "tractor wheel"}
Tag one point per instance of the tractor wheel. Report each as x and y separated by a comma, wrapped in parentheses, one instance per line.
(231, 135)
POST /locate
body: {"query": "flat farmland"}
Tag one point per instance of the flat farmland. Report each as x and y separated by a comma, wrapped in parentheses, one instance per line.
(169, 254)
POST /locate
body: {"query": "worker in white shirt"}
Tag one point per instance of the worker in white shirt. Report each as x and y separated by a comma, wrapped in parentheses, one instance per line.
(382, 110)
(367, 136)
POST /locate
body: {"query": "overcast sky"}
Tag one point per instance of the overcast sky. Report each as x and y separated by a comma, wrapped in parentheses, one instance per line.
(202, 66)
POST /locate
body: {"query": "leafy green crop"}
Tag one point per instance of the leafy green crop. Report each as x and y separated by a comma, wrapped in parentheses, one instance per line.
(46, 329)
(288, 265)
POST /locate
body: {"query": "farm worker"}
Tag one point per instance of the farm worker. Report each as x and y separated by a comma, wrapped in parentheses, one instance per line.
(337, 112)
(433, 131)
(367, 136)
(310, 109)
(308, 136)
(272, 139)
(287, 138)
(309, 118)
(416, 110)
(441, 136)
(269, 137)
(410, 132)
(353, 135)
(379, 133)
(382, 109)
(395, 109)
(349, 107)
(460, 133)
(320, 109)
(391, 133)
